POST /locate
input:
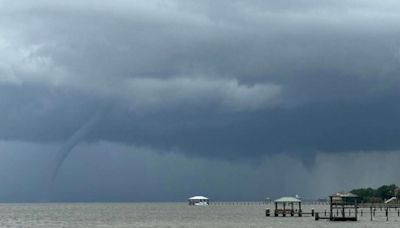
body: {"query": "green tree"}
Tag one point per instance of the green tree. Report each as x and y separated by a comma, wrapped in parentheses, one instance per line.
(371, 195)
(386, 191)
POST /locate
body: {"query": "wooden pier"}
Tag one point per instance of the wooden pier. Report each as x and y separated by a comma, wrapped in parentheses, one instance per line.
(341, 202)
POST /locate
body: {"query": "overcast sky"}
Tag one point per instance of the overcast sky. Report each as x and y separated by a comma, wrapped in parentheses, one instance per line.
(164, 99)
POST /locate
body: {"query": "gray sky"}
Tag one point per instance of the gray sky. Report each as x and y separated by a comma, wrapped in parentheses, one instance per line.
(161, 100)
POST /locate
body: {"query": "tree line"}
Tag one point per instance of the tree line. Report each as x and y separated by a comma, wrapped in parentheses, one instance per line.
(379, 195)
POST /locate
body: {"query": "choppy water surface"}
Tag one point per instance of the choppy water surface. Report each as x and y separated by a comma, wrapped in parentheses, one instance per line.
(164, 215)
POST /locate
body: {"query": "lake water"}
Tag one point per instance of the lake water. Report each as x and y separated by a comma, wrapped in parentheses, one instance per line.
(166, 215)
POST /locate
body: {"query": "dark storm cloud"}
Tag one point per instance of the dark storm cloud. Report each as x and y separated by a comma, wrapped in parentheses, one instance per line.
(330, 127)
(114, 172)
(210, 78)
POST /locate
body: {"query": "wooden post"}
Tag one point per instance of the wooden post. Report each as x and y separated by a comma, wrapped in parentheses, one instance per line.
(355, 209)
(300, 212)
(343, 212)
(387, 214)
(330, 208)
(312, 212)
(284, 209)
(371, 212)
(316, 216)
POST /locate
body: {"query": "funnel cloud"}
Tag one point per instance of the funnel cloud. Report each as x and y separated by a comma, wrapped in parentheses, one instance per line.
(75, 138)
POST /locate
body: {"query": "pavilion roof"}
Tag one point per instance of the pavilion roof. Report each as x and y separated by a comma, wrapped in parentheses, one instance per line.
(287, 199)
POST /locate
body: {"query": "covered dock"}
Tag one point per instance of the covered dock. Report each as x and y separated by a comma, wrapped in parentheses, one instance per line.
(287, 206)
(340, 203)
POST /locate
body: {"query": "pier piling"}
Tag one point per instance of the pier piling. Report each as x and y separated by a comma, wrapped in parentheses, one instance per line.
(371, 212)
(316, 216)
(387, 214)
(267, 212)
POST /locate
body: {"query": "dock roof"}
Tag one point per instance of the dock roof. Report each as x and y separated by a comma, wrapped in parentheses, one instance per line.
(345, 195)
(287, 199)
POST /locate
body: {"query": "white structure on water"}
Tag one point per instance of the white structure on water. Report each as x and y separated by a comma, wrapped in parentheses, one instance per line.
(391, 200)
(199, 201)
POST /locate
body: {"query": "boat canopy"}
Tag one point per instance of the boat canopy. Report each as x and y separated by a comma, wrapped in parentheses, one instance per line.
(198, 198)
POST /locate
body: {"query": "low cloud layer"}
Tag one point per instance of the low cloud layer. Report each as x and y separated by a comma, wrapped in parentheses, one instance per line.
(113, 172)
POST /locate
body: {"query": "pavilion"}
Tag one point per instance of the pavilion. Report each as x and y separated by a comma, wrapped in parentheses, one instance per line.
(286, 206)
